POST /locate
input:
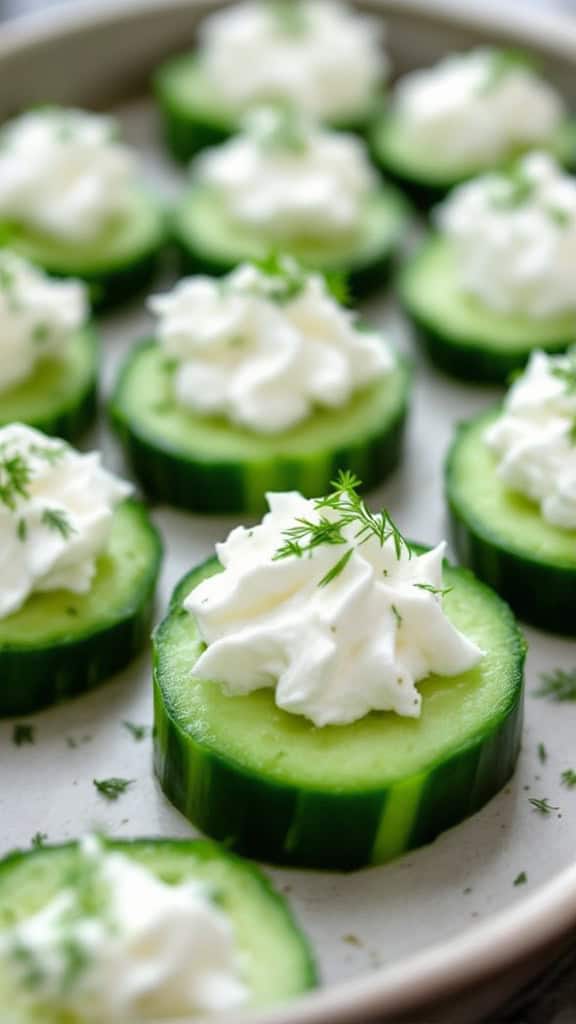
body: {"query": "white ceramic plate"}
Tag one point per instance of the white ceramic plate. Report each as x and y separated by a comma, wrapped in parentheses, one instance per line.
(434, 927)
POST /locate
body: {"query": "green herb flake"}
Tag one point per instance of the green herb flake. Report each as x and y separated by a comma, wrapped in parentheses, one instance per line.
(138, 732)
(542, 805)
(396, 615)
(113, 788)
(542, 753)
(558, 685)
(23, 735)
(521, 879)
(22, 530)
(56, 519)
(337, 568)
(38, 840)
(14, 479)
(569, 778)
(438, 591)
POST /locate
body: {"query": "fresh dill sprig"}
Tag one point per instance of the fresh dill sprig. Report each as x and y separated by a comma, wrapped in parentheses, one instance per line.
(14, 479)
(112, 788)
(542, 753)
(569, 778)
(138, 732)
(542, 805)
(521, 879)
(57, 519)
(558, 685)
(23, 734)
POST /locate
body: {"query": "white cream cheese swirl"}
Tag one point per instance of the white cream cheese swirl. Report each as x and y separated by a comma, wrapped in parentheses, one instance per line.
(332, 652)
(320, 56)
(286, 178)
(534, 438)
(473, 109)
(514, 238)
(264, 351)
(64, 174)
(152, 951)
(56, 510)
(38, 318)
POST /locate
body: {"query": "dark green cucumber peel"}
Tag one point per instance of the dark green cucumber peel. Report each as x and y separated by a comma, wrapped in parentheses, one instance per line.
(274, 787)
(462, 337)
(204, 464)
(61, 644)
(210, 243)
(61, 396)
(279, 964)
(425, 180)
(503, 538)
(118, 265)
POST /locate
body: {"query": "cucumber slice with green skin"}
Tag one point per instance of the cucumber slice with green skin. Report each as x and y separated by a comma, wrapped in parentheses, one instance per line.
(192, 119)
(61, 644)
(462, 337)
(277, 960)
(427, 177)
(503, 537)
(206, 464)
(116, 265)
(211, 243)
(272, 785)
(60, 398)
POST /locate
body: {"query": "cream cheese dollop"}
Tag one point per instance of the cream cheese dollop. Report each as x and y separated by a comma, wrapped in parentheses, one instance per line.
(333, 647)
(38, 318)
(288, 178)
(151, 951)
(514, 238)
(534, 437)
(321, 56)
(473, 109)
(64, 173)
(56, 511)
(265, 349)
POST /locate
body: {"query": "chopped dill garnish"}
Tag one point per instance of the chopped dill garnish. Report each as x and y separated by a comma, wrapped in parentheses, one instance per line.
(14, 479)
(23, 735)
(521, 879)
(542, 753)
(38, 840)
(542, 805)
(569, 778)
(138, 732)
(558, 685)
(56, 519)
(112, 788)
(439, 591)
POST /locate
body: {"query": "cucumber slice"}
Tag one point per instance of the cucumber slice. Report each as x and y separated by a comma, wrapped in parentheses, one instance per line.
(277, 960)
(61, 644)
(212, 243)
(60, 397)
(503, 537)
(463, 337)
(427, 175)
(206, 464)
(272, 785)
(191, 116)
(121, 262)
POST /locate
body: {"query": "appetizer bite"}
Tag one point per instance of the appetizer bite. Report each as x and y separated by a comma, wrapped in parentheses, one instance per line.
(496, 280)
(100, 931)
(72, 201)
(511, 489)
(287, 183)
(469, 113)
(320, 56)
(48, 351)
(79, 567)
(260, 380)
(324, 677)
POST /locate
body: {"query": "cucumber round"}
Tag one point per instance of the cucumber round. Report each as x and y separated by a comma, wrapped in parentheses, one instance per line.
(60, 397)
(116, 265)
(206, 464)
(277, 960)
(60, 644)
(272, 785)
(463, 337)
(503, 537)
(428, 175)
(212, 243)
(193, 119)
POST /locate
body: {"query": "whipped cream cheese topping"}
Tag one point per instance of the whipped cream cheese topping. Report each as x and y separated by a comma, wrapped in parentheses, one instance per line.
(56, 509)
(475, 108)
(287, 178)
(534, 438)
(321, 56)
(263, 348)
(338, 631)
(63, 173)
(514, 237)
(143, 950)
(38, 317)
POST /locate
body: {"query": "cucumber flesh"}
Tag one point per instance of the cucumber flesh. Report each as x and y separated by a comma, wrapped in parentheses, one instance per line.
(342, 796)
(207, 464)
(277, 959)
(463, 337)
(503, 537)
(60, 396)
(60, 644)
(213, 243)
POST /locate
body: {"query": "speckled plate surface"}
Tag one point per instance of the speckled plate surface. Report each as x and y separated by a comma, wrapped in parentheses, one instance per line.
(442, 934)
